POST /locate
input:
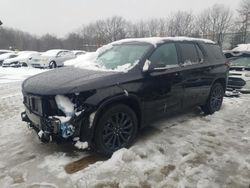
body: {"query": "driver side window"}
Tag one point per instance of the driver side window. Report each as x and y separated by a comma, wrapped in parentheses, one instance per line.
(60, 54)
(165, 56)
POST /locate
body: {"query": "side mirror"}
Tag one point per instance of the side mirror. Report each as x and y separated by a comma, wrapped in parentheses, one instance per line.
(149, 67)
(146, 66)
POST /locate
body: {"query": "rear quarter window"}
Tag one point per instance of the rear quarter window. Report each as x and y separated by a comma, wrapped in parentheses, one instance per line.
(189, 53)
(214, 52)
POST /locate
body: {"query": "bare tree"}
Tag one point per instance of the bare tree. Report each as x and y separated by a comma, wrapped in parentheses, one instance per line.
(203, 23)
(244, 18)
(214, 22)
(113, 28)
(181, 23)
(138, 29)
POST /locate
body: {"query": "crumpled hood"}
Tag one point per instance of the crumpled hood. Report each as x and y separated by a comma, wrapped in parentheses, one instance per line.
(68, 80)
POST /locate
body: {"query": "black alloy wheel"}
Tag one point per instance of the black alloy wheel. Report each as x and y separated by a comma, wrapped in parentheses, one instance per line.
(215, 99)
(117, 128)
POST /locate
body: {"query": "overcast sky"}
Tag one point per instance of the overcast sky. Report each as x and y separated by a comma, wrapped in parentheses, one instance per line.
(60, 17)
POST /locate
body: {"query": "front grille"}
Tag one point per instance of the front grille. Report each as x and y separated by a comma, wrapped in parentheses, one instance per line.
(237, 68)
(235, 74)
(237, 83)
(33, 103)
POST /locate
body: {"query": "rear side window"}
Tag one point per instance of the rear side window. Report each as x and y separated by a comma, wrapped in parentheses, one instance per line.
(189, 53)
(201, 56)
(215, 51)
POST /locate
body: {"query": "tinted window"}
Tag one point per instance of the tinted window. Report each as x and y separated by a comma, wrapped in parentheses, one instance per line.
(215, 51)
(189, 53)
(201, 56)
(165, 55)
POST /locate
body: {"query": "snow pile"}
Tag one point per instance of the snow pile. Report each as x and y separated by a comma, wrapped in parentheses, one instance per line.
(242, 48)
(64, 104)
(81, 145)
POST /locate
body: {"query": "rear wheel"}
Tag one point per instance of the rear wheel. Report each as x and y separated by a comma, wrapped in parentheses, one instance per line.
(215, 99)
(116, 128)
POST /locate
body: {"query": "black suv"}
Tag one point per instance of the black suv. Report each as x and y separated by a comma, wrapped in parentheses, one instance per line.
(106, 106)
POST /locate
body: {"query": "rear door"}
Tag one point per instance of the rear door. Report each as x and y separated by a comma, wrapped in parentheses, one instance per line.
(163, 90)
(196, 73)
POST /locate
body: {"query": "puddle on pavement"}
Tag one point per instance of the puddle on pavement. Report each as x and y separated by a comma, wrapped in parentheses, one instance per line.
(82, 163)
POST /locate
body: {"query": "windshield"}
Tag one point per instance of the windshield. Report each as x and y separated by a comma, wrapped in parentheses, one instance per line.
(125, 55)
(242, 61)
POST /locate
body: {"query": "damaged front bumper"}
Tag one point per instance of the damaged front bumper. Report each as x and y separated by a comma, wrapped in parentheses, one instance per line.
(49, 129)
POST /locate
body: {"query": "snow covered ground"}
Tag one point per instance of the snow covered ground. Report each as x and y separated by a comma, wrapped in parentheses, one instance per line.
(10, 74)
(188, 150)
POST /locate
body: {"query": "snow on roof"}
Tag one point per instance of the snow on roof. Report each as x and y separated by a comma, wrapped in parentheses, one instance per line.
(157, 40)
(2, 50)
(6, 55)
(52, 52)
(242, 47)
(26, 54)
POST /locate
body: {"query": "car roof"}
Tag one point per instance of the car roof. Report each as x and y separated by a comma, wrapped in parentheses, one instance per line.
(158, 40)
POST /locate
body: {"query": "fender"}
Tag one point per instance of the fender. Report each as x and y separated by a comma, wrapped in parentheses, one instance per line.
(114, 99)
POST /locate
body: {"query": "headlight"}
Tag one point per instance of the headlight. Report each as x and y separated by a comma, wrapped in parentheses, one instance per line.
(247, 86)
(247, 75)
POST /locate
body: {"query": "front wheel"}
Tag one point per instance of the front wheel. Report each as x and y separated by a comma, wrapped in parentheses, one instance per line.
(215, 99)
(52, 65)
(116, 128)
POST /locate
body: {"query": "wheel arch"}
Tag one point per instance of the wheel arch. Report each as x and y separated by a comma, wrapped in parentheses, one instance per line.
(222, 81)
(131, 101)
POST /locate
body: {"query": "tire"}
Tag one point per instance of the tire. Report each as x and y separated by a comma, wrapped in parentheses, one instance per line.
(52, 65)
(24, 65)
(215, 99)
(117, 128)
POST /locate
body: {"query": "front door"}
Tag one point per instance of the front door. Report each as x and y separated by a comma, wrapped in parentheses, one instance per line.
(163, 88)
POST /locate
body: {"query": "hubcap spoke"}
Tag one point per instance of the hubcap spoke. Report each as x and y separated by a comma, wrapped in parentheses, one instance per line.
(117, 130)
(216, 98)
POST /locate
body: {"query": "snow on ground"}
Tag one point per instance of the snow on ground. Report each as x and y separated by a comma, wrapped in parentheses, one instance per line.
(10, 74)
(188, 150)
